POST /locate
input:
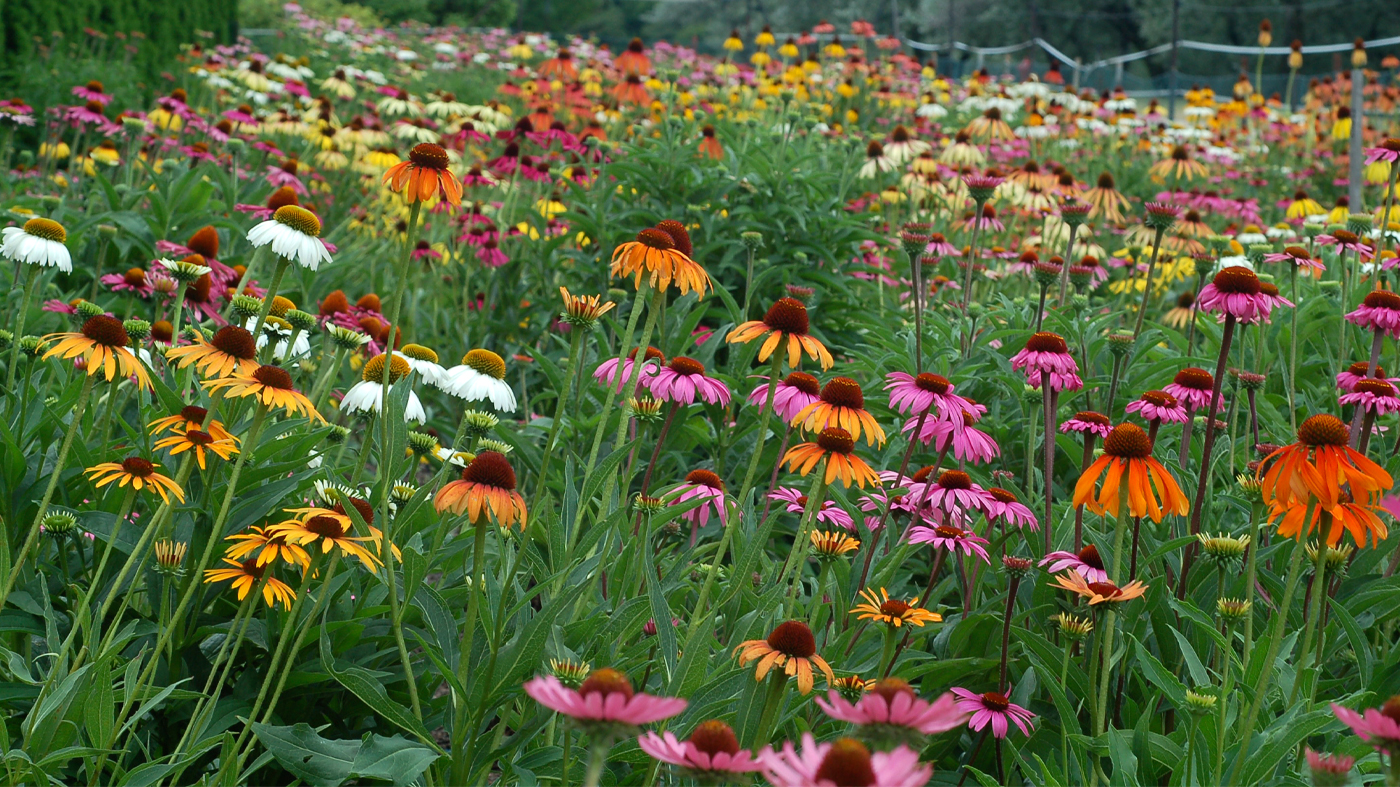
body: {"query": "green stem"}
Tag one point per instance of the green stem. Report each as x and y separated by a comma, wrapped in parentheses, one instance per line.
(323, 385)
(597, 759)
(797, 558)
(464, 660)
(26, 293)
(272, 287)
(1312, 623)
(96, 624)
(575, 350)
(658, 301)
(1147, 286)
(773, 700)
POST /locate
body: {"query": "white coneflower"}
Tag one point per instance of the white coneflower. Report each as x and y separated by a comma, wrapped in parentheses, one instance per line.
(876, 161)
(399, 103)
(281, 330)
(931, 111)
(416, 132)
(902, 147)
(425, 362)
(295, 233)
(482, 377)
(445, 105)
(39, 242)
(366, 395)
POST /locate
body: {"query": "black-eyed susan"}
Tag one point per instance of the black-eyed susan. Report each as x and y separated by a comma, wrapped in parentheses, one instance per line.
(792, 647)
(487, 487)
(103, 345)
(267, 546)
(137, 472)
(1128, 459)
(424, 174)
(837, 446)
(191, 417)
(662, 255)
(271, 385)
(891, 611)
(245, 575)
(202, 443)
(785, 320)
(832, 544)
(232, 350)
(328, 526)
(841, 404)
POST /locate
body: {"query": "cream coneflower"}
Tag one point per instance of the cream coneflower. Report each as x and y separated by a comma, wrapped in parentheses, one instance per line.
(487, 486)
(424, 174)
(1107, 202)
(294, 234)
(39, 242)
(137, 472)
(102, 343)
(231, 351)
(786, 320)
(663, 254)
(245, 576)
(271, 385)
(367, 395)
(791, 647)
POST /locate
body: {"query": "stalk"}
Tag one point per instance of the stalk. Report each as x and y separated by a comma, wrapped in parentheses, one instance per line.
(1147, 286)
(575, 350)
(1204, 477)
(1312, 622)
(25, 297)
(464, 663)
(1049, 396)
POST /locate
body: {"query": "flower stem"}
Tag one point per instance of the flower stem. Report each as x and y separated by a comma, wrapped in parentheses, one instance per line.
(597, 759)
(575, 350)
(1204, 478)
(1049, 397)
(797, 558)
(272, 287)
(1006, 631)
(1147, 285)
(26, 295)
(777, 684)
(464, 659)
(1312, 624)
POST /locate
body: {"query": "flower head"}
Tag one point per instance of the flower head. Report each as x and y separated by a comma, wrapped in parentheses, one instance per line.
(487, 487)
(711, 750)
(269, 385)
(604, 703)
(890, 713)
(994, 709)
(786, 320)
(1129, 463)
(794, 393)
(294, 233)
(792, 647)
(837, 446)
(424, 174)
(1379, 727)
(40, 242)
(245, 576)
(102, 343)
(891, 611)
(137, 472)
(662, 253)
(842, 404)
(1099, 592)
(1236, 291)
(845, 761)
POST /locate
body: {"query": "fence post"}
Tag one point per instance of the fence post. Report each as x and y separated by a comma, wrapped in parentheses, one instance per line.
(1078, 64)
(1176, 39)
(1358, 123)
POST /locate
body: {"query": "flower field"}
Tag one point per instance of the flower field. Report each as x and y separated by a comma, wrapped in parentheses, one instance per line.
(462, 408)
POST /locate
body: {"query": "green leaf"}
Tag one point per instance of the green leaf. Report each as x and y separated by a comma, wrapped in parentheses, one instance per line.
(1120, 751)
(1365, 659)
(395, 759)
(99, 710)
(371, 691)
(1160, 676)
(308, 756)
(660, 613)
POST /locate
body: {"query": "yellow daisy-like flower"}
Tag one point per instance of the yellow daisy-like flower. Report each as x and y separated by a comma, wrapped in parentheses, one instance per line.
(190, 417)
(245, 575)
(103, 344)
(201, 442)
(137, 472)
(1099, 592)
(838, 447)
(786, 320)
(330, 527)
(268, 545)
(790, 646)
(271, 385)
(891, 611)
(231, 351)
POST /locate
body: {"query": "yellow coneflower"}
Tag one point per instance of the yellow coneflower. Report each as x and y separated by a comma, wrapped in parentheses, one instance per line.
(245, 575)
(663, 255)
(785, 319)
(190, 417)
(852, 687)
(199, 441)
(833, 544)
(328, 526)
(891, 611)
(137, 472)
(271, 385)
(792, 647)
(268, 545)
(102, 343)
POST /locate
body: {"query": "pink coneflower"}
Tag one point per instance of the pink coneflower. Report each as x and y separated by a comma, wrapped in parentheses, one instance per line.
(1192, 388)
(1296, 256)
(794, 393)
(952, 538)
(606, 696)
(968, 443)
(94, 91)
(134, 281)
(285, 174)
(480, 234)
(1089, 422)
(1044, 353)
(891, 711)
(683, 379)
(830, 513)
(1158, 406)
(1389, 150)
(1328, 769)
(1350, 376)
(476, 176)
(1086, 563)
(706, 486)
(1345, 240)
(1373, 396)
(842, 763)
(1378, 726)
(1004, 507)
(490, 255)
(920, 394)
(711, 751)
(1236, 291)
(995, 709)
(1379, 311)
(938, 246)
(606, 373)
(985, 220)
(955, 493)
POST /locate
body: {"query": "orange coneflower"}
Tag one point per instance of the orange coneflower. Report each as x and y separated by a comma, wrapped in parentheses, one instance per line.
(1359, 519)
(191, 417)
(199, 441)
(790, 646)
(330, 527)
(231, 351)
(838, 447)
(268, 545)
(139, 473)
(841, 404)
(709, 145)
(662, 253)
(631, 91)
(271, 385)
(1128, 459)
(633, 60)
(1099, 592)
(1106, 200)
(423, 174)
(102, 342)
(245, 575)
(1318, 466)
(891, 611)
(989, 125)
(787, 318)
(487, 486)
(1179, 166)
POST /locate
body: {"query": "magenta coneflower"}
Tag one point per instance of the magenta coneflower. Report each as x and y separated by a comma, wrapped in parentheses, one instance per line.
(135, 281)
(952, 538)
(1235, 291)
(711, 751)
(94, 91)
(955, 493)
(1378, 726)
(967, 443)
(1350, 376)
(1047, 353)
(986, 219)
(1389, 150)
(938, 246)
(1373, 396)
(1004, 507)
(1379, 311)
(1158, 406)
(844, 762)
(605, 697)
(910, 394)
(1086, 563)
(683, 379)
(1329, 768)
(1298, 257)
(1192, 388)
(1346, 240)
(1087, 422)
(708, 487)
(794, 393)
(606, 373)
(489, 254)
(995, 709)
(892, 703)
(830, 513)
